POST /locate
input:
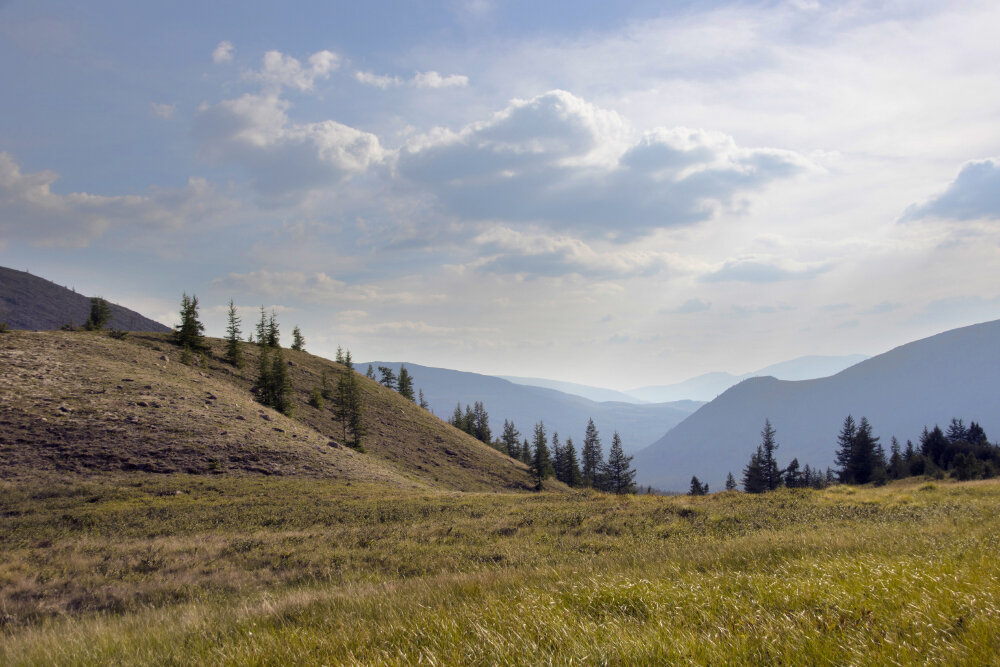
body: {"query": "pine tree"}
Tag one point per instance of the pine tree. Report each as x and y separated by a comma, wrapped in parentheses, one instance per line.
(572, 465)
(696, 488)
(730, 482)
(423, 401)
(349, 410)
(897, 466)
(405, 383)
(864, 465)
(190, 332)
(348, 362)
(281, 384)
(558, 463)
(541, 464)
(340, 356)
(456, 417)
(388, 378)
(845, 450)
(234, 353)
(793, 478)
(481, 423)
(262, 328)
(100, 314)
(298, 342)
(770, 472)
(592, 457)
(617, 473)
(526, 455)
(753, 475)
(510, 437)
(273, 335)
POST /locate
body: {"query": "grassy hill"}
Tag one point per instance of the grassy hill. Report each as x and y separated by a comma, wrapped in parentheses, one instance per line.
(83, 402)
(192, 569)
(30, 302)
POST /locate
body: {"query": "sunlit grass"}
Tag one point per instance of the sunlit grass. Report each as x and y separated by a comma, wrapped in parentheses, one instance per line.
(247, 570)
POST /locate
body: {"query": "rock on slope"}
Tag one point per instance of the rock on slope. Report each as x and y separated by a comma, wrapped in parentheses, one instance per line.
(952, 374)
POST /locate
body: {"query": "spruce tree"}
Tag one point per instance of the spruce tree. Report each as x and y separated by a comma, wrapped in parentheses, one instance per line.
(371, 373)
(592, 459)
(423, 401)
(770, 472)
(696, 489)
(388, 378)
(897, 467)
(281, 383)
(845, 450)
(264, 382)
(190, 332)
(864, 464)
(405, 383)
(617, 474)
(526, 455)
(510, 438)
(262, 328)
(100, 314)
(730, 482)
(557, 457)
(572, 465)
(234, 353)
(349, 409)
(273, 335)
(753, 475)
(541, 464)
(793, 478)
(298, 342)
(481, 423)
(340, 356)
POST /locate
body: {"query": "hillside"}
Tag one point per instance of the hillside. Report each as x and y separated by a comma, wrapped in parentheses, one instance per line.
(83, 402)
(638, 425)
(30, 302)
(952, 374)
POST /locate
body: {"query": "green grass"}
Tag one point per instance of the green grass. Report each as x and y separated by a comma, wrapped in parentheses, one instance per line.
(250, 570)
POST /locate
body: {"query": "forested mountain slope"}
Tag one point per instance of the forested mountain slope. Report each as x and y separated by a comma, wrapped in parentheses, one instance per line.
(952, 374)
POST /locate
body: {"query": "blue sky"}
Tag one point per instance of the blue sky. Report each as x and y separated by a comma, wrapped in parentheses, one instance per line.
(619, 194)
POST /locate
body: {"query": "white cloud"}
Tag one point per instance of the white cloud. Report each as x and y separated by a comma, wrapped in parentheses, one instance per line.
(560, 161)
(283, 156)
(432, 79)
(973, 195)
(283, 71)
(164, 111)
(765, 270)
(223, 53)
(420, 80)
(31, 211)
(319, 287)
(377, 80)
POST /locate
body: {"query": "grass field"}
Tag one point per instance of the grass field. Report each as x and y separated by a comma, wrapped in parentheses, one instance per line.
(154, 569)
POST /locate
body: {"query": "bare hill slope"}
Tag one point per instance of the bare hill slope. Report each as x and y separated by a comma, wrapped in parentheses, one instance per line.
(84, 402)
(30, 302)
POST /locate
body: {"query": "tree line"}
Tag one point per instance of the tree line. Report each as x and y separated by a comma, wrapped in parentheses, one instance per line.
(964, 452)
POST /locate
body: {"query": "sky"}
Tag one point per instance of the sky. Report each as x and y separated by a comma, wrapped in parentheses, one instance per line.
(614, 194)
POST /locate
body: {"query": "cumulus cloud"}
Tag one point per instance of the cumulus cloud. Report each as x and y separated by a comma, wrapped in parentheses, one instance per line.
(560, 161)
(283, 156)
(283, 71)
(31, 211)
(754, 270)
(420, 80)
(223, 53)
(973, 195)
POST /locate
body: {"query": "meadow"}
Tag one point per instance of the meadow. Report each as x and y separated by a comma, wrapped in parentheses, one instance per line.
(243, 569)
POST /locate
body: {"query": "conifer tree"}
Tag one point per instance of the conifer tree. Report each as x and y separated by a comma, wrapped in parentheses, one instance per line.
(541, 464)
(571, 465)
(405, 384)
(234, 353)
(281, 384)
(897, 467)
(864, 464)
(526, 455)
(264, 382)
(340, 356)
(592, 459)
(793, 478)
(558, 463)
(456, 417)
(100, 314)
(617, 474)
(770, 472)
(262, 328)
(348, 362)
(190, 332)
(845, 450)
(423, 401)
(388, 378)
(696, 488)
(371, 373)
(753, 475)
(481, 423)
(324, 385)
(510, 438)
(298, 342)
(349, 408)
(273, 335)
(730, 482)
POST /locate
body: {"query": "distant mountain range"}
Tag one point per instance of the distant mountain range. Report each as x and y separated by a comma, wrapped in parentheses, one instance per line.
(952, 374)
(30, 302)
(708, 386)
(567, 414)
